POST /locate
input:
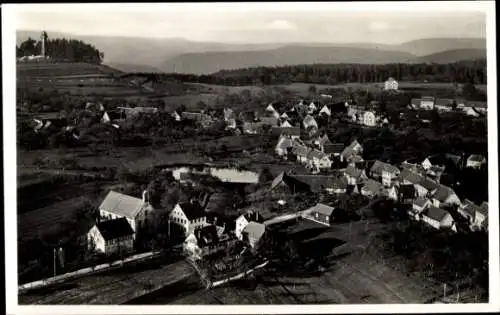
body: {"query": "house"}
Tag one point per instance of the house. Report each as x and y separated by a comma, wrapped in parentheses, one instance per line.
(189, 216)
(470, 111)
(480, 107)
(391, 193)
(310, 122)
(243, 220)
(321, 213)
(354, 175)
(384, 171)
(333, 149)
(435, 172)
(362, 116)
(390, 84)
(231, 124)
(474, 214)
(322, 141)
(111, 236)
(270, 109)
(137, 211)
(286, 124)
(300, 151)
(323, 183)
(318, 160)
(325, 111)
(175, 115)
(406, 193)
(419, 205)
(284, 116)
(285, 184)
(427, 103)
(438, 218)
(253, 233)
(445, 196)
(312, 108)
(372, 188)
(284, 142)
(475, 161)
(229, 114)
(207, 240)
(422, 185)
(354, 149)
(252, 127)
(443, 105)
(292, 132)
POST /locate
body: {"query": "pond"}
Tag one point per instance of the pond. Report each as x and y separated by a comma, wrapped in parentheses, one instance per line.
(229, 175)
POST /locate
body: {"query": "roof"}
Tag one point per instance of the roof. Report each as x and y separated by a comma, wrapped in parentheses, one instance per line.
(333, 148)
(325, 110)
(112, 229)
(229, 113)
(207, 235)
(436, 213)
(470, 207)
(443, 192)
(420, 201)
(315, 154)
(321, 182)
(192, 210)
(378, 167)
(410, 176)
(284, 142)
(476, 158)
(353, 172)
(372, 186)
(255, 230)
(349, 150)
(322, 209)
(408, 191)
(191, 115)
(122, 205)
(324, 140)
(300, 150)
(309, 121)
(273, 121)
(428, 184)
(290, 131)
(278, 179)
(427, 98)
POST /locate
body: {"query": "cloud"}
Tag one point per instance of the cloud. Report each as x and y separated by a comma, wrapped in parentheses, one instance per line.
(378, 26)
(281, 25)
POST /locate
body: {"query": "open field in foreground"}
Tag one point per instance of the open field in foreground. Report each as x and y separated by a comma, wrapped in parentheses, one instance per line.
(113, 287)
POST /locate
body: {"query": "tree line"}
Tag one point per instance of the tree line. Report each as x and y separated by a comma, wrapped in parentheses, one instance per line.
(459, 72)
(61, 49)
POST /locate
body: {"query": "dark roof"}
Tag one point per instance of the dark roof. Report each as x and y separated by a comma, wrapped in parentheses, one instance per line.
(420, 201)
(428, 184)
(192, 210)
(443, 102)
(373, 186)
(322, 208)
(112, 229)
(255, 217)
(333, 148)
(207, 235)
(407, 191)
(443, 192)
(320, 182)
(436, 213)
(290, 131)
(378, 167)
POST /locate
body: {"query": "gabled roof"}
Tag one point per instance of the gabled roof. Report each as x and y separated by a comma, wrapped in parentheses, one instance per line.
(112, 229)
(324, 140)
(353, 172)
(284, 142)
(349, 150)
(325, 110)
(372, 186)
(410, 176)
(333, 148)
(321, 182)
(436, 214)
(443, 192)
(428, 184)
(192, 210)
(420, 201)
(407, 191)
(470, 207)
(254, 230)
(322, 209)
(290, 131)
(309, 121)
(378, 167)
(286, 124)
(315, 154)
(121, 205)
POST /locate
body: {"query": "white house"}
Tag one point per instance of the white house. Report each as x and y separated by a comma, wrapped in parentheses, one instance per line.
(438, 218)
(137, 211)
(475, 161)
(243, 220)
(284, 142)
(189, 216)
(325, 110)
(312, 108)
(391, 84)
(111, 236)
(252, 233)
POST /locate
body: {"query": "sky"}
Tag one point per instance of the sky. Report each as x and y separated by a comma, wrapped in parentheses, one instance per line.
(259, 22)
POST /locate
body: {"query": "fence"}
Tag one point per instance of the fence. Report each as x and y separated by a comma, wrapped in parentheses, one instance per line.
(85, 271)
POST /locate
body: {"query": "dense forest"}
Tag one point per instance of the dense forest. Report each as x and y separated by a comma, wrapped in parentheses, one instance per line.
(459, 72)
(61, 49)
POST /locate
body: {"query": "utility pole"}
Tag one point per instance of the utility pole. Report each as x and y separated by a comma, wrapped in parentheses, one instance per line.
(54, 252)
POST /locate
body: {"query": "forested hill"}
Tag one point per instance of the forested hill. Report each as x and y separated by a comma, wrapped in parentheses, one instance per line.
(61, 49)
(460, 72)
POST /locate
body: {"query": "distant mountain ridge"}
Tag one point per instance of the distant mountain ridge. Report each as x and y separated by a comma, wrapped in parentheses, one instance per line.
(453, 55)
(183, 55)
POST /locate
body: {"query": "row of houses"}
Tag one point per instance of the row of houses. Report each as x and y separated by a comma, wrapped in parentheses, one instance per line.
(471, 108)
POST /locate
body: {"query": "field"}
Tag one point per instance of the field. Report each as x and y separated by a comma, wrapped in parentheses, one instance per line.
(113, 287)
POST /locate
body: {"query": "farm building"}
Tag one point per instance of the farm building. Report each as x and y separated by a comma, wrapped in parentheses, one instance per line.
(188, 215)
(206, 240)
(438, 218)
(285, 124)
(253, 233)
(300, 151)
(243, 220)
(137, 211)
(111, 236)
(475, 161)
(321, 213)
(390, 84)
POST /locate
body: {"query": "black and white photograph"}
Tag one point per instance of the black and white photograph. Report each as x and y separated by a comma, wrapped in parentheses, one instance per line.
(250, 157)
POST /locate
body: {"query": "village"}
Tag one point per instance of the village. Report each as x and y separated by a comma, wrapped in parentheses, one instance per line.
(221, 245)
